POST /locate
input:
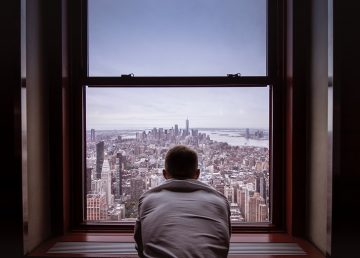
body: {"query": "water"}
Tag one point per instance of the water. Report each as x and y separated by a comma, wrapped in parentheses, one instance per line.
(234, 138)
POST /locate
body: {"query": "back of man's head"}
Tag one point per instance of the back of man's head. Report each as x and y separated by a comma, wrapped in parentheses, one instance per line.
(181, 162)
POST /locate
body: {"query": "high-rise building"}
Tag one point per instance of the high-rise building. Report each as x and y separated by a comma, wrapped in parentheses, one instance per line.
(97, 186)
(99, 158)
(253, 203)
(235, 214)
(234, 193)
(161, 133)
(246, 203)
(227, 192)
(260, 185)
(120, 163)
(241, 201)
(96, 208)
(263, 211)
(106, 178)
(257, 209)
(187, 126)
(88, 179)
(176, 130)
(154, 133)
(220, 188)
(247, 133)
(92, 135)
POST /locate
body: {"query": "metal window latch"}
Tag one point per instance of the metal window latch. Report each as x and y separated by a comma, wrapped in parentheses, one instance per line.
(127, 75)
(233, 75)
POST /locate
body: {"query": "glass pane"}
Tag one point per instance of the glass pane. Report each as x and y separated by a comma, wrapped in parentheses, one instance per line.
(177, 37)
(129, 130)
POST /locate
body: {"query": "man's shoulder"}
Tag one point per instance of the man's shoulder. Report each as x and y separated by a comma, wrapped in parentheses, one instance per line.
(183, 186)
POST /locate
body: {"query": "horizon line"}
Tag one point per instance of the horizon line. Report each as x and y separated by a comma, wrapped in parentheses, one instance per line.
(150, 128)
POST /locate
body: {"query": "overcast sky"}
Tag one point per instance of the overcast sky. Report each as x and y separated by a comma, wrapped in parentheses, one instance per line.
(177, 38)
(119, 108)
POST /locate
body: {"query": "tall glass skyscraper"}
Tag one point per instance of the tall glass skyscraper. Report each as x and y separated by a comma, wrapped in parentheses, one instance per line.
(99, 158)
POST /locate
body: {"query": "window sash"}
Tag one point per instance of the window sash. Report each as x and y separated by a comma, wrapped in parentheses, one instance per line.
(272, 44)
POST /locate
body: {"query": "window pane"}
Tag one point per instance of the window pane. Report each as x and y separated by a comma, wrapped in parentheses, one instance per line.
(177, 37)
(129, 130)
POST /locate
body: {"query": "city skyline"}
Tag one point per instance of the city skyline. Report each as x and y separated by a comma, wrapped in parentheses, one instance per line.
(120, 169)
(212, 107)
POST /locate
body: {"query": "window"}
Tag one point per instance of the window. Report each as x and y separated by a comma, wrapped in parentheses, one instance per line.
(227, 126)
(159, 73)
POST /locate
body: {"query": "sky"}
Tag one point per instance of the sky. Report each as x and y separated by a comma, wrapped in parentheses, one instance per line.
(139, 108)
(177, 37)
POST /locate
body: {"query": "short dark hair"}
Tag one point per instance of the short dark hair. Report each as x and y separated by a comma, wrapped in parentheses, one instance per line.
(181, 162)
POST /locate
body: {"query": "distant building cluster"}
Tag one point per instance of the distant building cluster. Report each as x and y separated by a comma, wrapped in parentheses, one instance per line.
(120, 169)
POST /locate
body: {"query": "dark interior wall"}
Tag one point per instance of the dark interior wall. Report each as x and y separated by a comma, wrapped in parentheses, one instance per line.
(317, 184)
(46, 63)
(37, 105)
(33, 68)
(346, 125)
(11, 241)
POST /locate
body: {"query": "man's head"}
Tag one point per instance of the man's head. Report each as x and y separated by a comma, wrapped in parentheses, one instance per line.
(181, 162)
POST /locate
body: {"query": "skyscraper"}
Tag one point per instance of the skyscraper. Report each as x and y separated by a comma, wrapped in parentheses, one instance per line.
(99, 158)
(260, 185)
(257, 208)
(106, 178)
(120, 162)
(176, 130)
(96, 207)
(241, 201)
(187, 126)
(92, 135)
(88, 179)
(253, 207)
(161, 133)
(263, 211)
(194, 132)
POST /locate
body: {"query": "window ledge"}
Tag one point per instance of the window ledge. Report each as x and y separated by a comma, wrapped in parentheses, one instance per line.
(122, 245)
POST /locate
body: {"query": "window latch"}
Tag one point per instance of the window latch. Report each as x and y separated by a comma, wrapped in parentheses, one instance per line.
(127, 75)
(233, 75)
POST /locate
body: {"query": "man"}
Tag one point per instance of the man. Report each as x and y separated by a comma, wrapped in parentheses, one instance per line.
(182, 217)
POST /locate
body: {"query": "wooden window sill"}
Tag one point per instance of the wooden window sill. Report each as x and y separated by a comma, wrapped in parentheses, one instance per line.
(240, 243)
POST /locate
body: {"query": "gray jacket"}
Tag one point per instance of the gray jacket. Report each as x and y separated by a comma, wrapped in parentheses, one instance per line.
(183, 218)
